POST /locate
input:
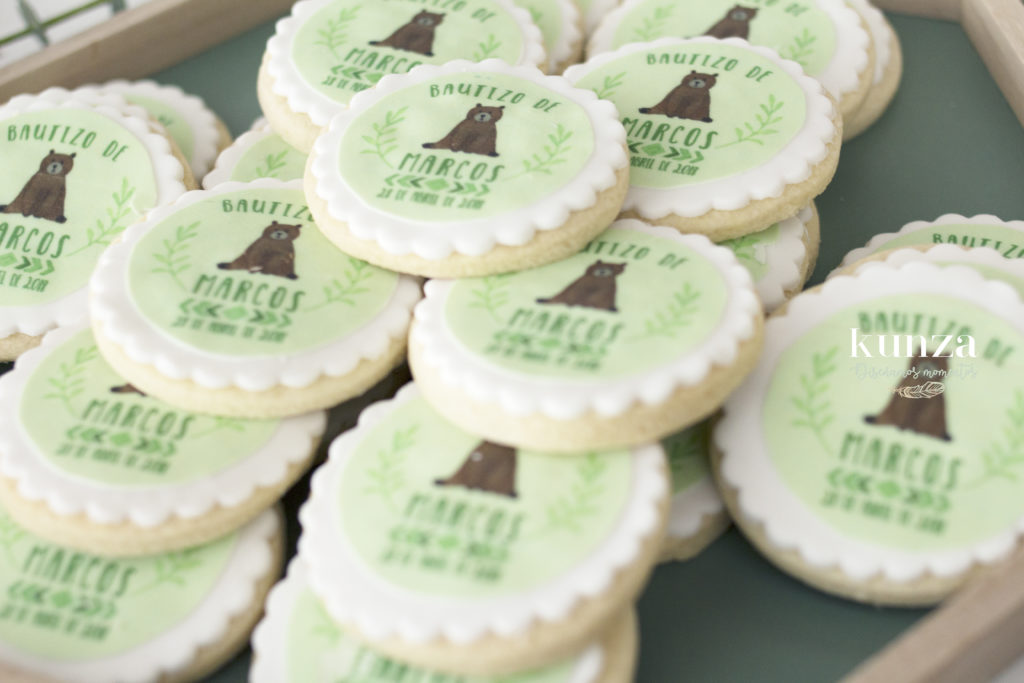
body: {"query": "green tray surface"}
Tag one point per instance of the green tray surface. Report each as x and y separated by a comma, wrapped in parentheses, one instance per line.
(948, 144)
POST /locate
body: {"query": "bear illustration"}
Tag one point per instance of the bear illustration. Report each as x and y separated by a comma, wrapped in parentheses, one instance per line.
(44, 193)
(476, 134)
(126, 389)
(594, 289)
(925, 416)
(691, 99)
(735, 24)
(272, 253)
(489, 467)
(415, 36)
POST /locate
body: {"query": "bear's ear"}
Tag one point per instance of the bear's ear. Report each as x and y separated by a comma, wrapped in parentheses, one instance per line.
(52, 152)
(73, 154)
(275, 223)
(479, 105)
(501, 107)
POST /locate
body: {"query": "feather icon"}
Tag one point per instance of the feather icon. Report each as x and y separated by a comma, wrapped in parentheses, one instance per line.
(926, 390)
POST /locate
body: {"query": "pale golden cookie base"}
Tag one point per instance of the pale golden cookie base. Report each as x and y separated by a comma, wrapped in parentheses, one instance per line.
(812, 244)
(880, 96)
(545, 642)
(297, 129)
(619, 649)
(279, 401)
(640, 424)
(718, 225)
(224, 138)
(676, 549)
(126, 539)
(209, 658)
(546, 246)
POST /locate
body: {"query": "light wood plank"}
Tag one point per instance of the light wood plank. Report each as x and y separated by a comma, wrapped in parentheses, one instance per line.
(996, 27)
(973, 637)
(936, 9)
(137, 42)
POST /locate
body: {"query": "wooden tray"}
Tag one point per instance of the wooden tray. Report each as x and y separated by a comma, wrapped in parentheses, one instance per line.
(949, 143)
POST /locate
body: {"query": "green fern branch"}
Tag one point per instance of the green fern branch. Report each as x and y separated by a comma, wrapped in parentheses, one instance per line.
(814, 410)
(762, 125)
(119, 210)
(583, 498)
(172, 568)
(175, 260)
(70, 382)
(334, 35)
(387, 477)
(674, 317)
(653, 26)
(491, 295)
(384, 142)
(801, 48)
(345, 293)
(610, 85)
(485, 49)
(554, 154)
(274, 163)
(1001, 460)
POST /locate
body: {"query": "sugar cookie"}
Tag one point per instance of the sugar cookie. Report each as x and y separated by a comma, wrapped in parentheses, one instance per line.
(326, 51)
(826, 38)
(297, 642)
(468, 169)
(561, 25)
(72, 616)
(74, 176)
(874, 451)
(644, 332)
(87, 461)
(259, 153)
(230, 302)
(888, 70)
(742, 141)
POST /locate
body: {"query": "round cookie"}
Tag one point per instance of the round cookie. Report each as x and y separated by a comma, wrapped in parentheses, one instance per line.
(258, 153)
(698, 515)
(326, 51)
(873, 452)
(825, 37)
(781, 258)
(743, 141)
(594, 11)
(561, 25)
(468, 169)
(888, 70)
(298, 643)
(644, 332)
(173, 618)
(197, 130)
(1006, 237)
(89, 462)
(422, 541)
(74, 176)
(230, 302)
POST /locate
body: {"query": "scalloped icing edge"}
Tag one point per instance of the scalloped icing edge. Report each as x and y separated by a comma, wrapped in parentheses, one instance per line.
(303, 99)
(791, 166)
(881, 34)
(252, 559)
(228, 160)
(569, 36)
(197, 115)
(68, 495)
(525, 395)
(691, 506)
(334, 567)
(477, 236)
(766, 500)
(840, 76)
(269, 640)
(111, 306)
(169, 178)
(945, 254)
(786, 257)
(874, 245)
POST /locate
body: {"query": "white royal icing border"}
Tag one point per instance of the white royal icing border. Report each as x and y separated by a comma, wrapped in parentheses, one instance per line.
(792, 165)
(197, 116)
(746, 465)
(169, 181)
(878, 242)
(881, 34)
(437, 240)
(691, 506)
(596, 13)
(303, 99)
(785, 260)
(112, 306)
(381, 611)
(948, 254)
(565, 399)
(228, 160)
(569, 36)
(175, 649)
(66, 494)
(841, 75)
(270, 639)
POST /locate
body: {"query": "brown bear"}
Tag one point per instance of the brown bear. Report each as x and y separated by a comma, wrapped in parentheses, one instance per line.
(594, 289)
(126, 389)
(475, 134)
(489, 467)
(415, 36)
(925, 416)
(44, 193)
(272, 253)
(735, 24)
(691, 99)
